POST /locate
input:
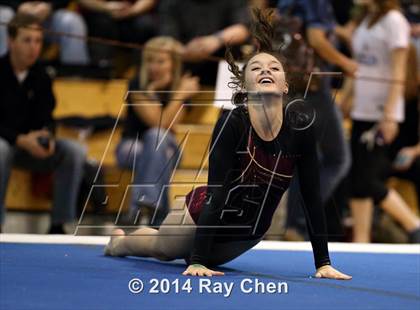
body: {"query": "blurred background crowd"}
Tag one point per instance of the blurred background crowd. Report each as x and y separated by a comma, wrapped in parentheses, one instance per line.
(365, 92)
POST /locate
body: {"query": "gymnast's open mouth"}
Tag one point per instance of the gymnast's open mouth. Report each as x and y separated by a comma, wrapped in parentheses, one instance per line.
(266, 80)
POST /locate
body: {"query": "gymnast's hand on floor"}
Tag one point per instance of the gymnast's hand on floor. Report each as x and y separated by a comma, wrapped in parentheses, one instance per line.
(329, 272)
(200, 270)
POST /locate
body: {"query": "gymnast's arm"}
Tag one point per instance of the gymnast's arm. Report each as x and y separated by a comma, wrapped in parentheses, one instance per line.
(221, 161)
(314, 210)
(310, 189)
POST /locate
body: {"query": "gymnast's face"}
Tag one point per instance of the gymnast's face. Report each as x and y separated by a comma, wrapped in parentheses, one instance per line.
(265, 73)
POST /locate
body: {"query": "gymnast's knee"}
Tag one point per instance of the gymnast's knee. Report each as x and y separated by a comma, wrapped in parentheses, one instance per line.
(160, 250)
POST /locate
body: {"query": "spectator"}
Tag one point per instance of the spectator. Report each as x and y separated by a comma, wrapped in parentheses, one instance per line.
(27, 126)
(405, 150)
(54, 16)
(205, 27)
(318, 28)
(380, 45)
(148, 144)
(128, 21)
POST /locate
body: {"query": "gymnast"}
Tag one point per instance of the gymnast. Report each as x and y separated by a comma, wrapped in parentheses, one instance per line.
(253, 154)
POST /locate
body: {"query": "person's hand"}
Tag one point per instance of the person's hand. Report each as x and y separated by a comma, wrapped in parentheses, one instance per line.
(39, 9)
(161, 83)
(201, 47)
(345, 32)
(116, 5)
(200, 270)
(29, 142)
(51, 149)
(405, 158)
(350, 67)
(329, 272)
(42, 10)
(117, 9)
(123, 13)
(188, 86)
(389, 130)
(26, 7)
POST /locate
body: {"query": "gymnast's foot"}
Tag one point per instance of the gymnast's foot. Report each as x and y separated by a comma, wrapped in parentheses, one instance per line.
(116, 236)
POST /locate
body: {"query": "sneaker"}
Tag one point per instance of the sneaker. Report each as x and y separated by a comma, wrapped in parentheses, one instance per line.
(56, 229)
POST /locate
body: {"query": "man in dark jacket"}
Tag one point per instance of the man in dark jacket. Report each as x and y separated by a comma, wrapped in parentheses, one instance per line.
(27, 126)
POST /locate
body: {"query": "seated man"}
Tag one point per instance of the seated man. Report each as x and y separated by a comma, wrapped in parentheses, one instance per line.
(27, 126)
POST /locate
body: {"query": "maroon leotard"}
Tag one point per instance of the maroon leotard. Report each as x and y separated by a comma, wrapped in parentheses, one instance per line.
(247, 178)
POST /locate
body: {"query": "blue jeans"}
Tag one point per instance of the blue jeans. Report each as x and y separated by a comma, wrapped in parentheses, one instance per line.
(333, 152)
(66, 163)
(6, 14)
(73, 51)
(152, 159)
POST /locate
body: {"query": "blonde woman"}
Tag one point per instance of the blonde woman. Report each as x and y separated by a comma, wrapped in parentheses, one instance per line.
(148, 145)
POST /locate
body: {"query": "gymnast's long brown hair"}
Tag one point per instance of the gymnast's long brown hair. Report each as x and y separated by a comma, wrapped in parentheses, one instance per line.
(263, 34)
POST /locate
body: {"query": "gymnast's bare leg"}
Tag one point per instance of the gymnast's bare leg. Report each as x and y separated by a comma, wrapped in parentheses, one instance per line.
(173, 240)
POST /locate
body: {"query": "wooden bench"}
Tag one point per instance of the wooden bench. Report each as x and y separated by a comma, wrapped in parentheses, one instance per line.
(90, 98)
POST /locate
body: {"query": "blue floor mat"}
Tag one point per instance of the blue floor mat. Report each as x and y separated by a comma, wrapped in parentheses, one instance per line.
(45, 276)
